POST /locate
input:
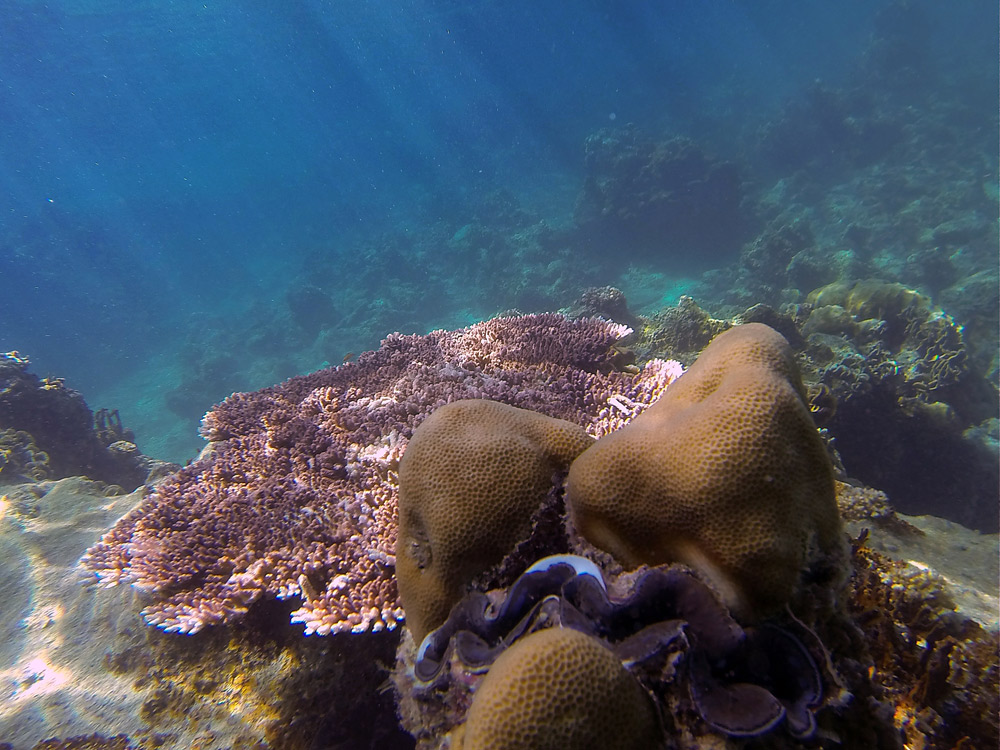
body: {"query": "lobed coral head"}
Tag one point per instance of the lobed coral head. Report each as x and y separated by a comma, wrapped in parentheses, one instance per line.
(472, 476)
(559, 689)
(726, 473)
(664, 625)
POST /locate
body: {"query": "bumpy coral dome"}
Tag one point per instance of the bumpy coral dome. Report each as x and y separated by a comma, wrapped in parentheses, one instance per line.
(559, 689)
(725, 473)
(471, 478)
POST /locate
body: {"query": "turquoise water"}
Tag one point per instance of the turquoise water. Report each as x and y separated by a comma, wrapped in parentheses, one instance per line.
(205, 198)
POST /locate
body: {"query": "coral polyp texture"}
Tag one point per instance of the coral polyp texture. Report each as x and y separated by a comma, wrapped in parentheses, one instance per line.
(726, 473)
(296, 495)
(472, 477)
(559, 689)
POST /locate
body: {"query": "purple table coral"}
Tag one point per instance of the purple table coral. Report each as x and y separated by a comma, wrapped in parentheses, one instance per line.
(296, 495)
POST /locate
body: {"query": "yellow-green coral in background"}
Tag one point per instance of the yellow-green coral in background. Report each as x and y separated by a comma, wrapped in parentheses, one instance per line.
(925, 343)
(21, 458)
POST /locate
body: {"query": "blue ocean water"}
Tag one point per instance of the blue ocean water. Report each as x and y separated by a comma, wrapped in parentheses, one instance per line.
(204, 198)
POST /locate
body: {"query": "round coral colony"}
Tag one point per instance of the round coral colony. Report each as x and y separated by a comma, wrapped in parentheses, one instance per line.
(559, 689)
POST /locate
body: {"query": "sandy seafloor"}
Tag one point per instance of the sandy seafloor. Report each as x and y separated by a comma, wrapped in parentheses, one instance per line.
(66, 648)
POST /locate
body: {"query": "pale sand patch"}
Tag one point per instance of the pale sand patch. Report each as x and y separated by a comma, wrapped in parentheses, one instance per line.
(59, 638)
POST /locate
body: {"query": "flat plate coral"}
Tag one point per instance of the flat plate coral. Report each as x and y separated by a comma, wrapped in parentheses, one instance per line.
(296, 495)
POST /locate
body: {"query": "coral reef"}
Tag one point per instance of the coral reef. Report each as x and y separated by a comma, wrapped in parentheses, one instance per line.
(76, 662)
(891, 666)
(896, 660)
(957, 558)
(296, 495)
(939, 671)
(456, 518)
(20, 458)
(259, 681)
(663, 625)
(907, 394)
(109, 428)
(925, 344)
(904, 404)
(49, 432)
(685, 329)
(665, 198)
(831, 680)
(605, 302)
(725, 473)
(889, 174)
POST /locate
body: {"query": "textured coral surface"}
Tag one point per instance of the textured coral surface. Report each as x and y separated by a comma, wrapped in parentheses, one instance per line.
(559, 689)
(726, 473)
(471, 479)
(296, 496)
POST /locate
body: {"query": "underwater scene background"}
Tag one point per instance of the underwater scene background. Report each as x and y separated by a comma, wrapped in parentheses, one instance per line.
(209, 199)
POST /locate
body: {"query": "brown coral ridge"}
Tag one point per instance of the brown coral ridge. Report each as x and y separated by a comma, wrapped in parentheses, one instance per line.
(473, 474)
(725, 473)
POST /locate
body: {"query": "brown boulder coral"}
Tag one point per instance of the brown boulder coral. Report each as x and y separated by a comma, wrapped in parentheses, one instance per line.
(472, 476)
(560, 689)
(725, 473)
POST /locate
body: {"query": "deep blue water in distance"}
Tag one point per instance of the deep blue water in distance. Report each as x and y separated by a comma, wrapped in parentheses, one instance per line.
(173, 173)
